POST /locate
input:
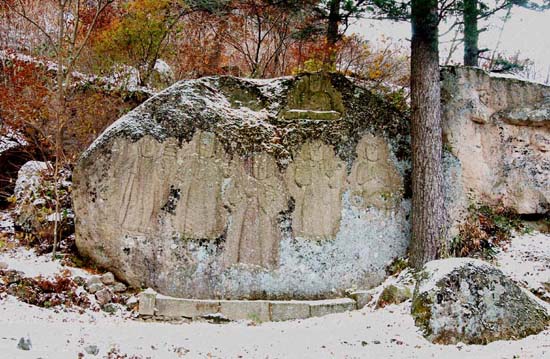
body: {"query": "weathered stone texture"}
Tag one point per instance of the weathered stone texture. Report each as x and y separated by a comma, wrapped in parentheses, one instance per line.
(255, 310)
(289, 310)
(160, 306)
(208, 191)
(470, 301)
(316, 181)
(498, 129)
(321, 308)
(295, 187)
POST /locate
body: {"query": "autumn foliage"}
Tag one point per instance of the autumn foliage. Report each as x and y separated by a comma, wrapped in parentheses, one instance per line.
(43, 292)
(257, 38)
(485, 229)
(26, 103)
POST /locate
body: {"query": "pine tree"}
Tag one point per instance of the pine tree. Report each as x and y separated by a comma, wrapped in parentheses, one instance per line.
(428, 215)
(474, 10)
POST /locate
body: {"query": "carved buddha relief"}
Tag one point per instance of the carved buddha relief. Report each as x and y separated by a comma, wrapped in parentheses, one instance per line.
(314, 98)
(255, 197)
(374, 180)
(316, 180)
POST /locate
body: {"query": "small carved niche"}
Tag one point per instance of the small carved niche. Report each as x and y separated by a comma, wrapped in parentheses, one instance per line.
(313, 98)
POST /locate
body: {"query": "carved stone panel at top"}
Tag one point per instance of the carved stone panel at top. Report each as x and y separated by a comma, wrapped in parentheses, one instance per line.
(314, 98)
(316, 181)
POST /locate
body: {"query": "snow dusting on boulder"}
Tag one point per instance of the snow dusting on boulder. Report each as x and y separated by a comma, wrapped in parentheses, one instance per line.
(470, 301)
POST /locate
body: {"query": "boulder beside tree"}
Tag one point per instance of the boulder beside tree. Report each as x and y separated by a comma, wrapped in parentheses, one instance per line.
(470, 301)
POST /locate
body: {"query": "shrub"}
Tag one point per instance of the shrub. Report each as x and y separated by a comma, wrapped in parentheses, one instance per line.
(486, 228)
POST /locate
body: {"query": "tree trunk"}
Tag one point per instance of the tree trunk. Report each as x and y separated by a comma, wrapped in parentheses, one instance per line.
(428, 219)
(471, 33)
(332, 32)
(60, 83)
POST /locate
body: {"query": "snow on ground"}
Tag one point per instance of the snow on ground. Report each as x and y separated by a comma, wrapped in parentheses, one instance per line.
(384, 333)
(10, 139)
(32, 265)
(527, 261)
(6, 223)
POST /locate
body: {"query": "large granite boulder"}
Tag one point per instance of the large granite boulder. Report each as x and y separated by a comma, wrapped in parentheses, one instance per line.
(233, 188)
(294, 187)
(497, 135)
(470, 301)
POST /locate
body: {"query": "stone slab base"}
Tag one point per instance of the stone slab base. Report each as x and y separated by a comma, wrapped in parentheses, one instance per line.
(156, 305)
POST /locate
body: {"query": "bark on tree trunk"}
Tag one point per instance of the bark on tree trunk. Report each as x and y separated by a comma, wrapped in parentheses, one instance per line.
(471, 33)
(59, 120)
(332, 31)
(428, 218)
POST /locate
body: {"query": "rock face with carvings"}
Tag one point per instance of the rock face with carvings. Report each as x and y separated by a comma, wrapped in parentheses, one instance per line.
(231, 188)
(294, 187)
(497, 134)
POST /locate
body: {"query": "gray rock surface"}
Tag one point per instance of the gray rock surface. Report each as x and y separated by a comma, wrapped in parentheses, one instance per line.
(393, 294)
(95, 287)
(104, 296)
(33, 204)
(92, 349)
(118, 287)
(235, 188)
(470, 301)
(30, 179)
(294, 187)
(107, 278)
(24, 344)
(94, 284)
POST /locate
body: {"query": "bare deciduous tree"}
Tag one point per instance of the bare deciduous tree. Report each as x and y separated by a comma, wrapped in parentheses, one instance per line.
(66, 40)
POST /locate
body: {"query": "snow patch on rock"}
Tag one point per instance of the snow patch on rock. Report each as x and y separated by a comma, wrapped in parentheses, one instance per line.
(29, 178)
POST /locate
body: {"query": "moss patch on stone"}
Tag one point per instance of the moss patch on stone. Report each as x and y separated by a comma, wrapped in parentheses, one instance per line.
(472, 302)
(393, 294)
(420, 310)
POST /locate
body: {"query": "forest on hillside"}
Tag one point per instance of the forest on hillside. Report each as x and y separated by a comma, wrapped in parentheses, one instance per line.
(110, 49)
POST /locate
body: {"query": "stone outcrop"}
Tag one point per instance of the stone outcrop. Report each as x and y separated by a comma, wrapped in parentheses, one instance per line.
(470, 301)
(233, 188)
(35, 203)
(497, 135)
(14, 153)
(294, 187)
(396, 290)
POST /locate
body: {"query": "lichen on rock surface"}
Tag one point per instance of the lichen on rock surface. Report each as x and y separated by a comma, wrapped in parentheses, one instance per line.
(498, 131)
(35, 205)
(470, 301)
(294, 187)
(211, 189)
